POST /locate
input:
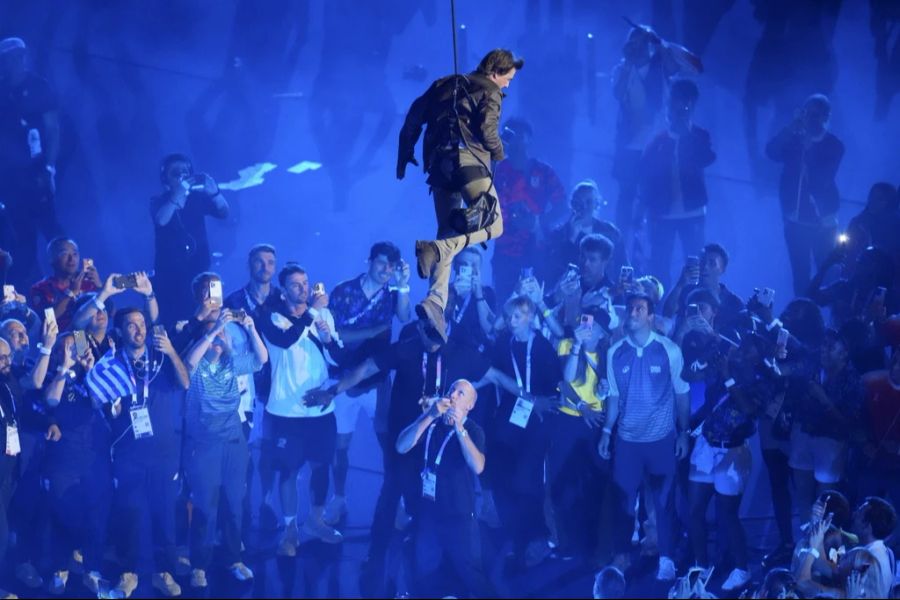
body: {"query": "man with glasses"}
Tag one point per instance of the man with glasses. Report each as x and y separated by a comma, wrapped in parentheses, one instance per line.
(364, 308)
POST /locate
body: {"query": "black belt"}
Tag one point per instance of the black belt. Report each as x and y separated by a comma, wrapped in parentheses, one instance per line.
(726, 445)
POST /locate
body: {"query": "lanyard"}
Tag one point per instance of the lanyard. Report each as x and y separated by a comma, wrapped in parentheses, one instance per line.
(12, 403)
(460, 311)
(527, 365)
(373, 301)
(131, 375)
(437, 375)
(440, 454)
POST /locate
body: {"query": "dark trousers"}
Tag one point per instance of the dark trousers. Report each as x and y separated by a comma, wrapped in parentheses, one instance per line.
(731, 532)
(806, 243)
(779, 483)
(632, 463)
(576, 485)
(401, 478)
(216, 470)
(28, 507)
(627, 171)
(146, 493)
(662, 234)
(79, 498)
(7, 471)
(456, 539)
(519, 483)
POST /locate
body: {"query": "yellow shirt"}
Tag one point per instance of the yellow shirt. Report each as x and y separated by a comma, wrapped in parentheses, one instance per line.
(586, 389)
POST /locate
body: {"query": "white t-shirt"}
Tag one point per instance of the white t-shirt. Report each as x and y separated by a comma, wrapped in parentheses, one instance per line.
(298, 369)
(886, 562)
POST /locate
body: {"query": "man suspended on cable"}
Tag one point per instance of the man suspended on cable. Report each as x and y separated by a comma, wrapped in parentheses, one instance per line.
(460, 114)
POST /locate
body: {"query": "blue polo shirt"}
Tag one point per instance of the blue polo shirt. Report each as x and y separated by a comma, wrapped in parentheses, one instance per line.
(645, 379)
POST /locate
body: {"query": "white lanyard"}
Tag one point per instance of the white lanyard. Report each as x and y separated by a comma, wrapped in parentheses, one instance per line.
(440, 454)
(134, 379)
(527, 365)
(437, 375)
(12, 403)
(460, 311)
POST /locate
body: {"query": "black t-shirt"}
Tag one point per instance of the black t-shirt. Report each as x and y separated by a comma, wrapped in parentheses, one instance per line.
(166, 408)
(22, 109)
(455, 491)
(462, 316)
(85, 437)
(546, 373)
(417, 374)
(182, 244)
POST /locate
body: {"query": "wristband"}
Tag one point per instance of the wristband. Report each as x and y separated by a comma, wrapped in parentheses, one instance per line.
(729, 383)
(150, 296)
(576, 348)
(813, 551)
(403, 290)
(71, 294)
(775, 323)
(43, 350)
(546, 313)
(607, 431)
(99, 304)
(480, 299)
(462, 433)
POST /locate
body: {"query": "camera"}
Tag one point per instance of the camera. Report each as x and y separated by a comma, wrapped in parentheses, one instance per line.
(319, 289)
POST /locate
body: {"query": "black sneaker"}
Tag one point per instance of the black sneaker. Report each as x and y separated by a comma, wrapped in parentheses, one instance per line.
(429, 311)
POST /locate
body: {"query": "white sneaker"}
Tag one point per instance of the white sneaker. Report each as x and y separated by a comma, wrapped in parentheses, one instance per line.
(94, 582)
(28, 575)
(166, 584)
(128, 582)
(198, 578)
(737, 579)
(241, 572)
(666, 571)
(336, 510)
(57, 585)
(76, 565)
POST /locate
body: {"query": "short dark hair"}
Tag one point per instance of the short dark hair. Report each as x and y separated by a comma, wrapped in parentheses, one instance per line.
(703, 295)
(518, 125)
(684, 89)
(499, 61)
(169, 159)
(201, 280)
(651, 306)
(289, 269)
(596, 242)
(256, 249)
(717, 249)
(388, 249)
(881, 516)
(467, 250)
(119, 319)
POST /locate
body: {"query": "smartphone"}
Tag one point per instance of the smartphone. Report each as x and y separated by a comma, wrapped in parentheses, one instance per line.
(159, 330)
(693, 262)
(465, 271)
(49, 315)
(319, 289)
(81, 343)
(587, 321)
(626, 274)
(215, 292)
(125, 281)
(693, 310)
(239, 314)
(88, 263)
(572, 271)
(526, 273)
(843, 238)
(9, 293)
(766, 297)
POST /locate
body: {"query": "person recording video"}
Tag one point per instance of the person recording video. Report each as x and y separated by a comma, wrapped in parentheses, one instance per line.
(460, 114)
(179, 218)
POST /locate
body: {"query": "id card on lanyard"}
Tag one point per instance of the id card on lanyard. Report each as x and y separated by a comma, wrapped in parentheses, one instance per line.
(429, 475)
(521, 412)
(140, 415)
(13, 445)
